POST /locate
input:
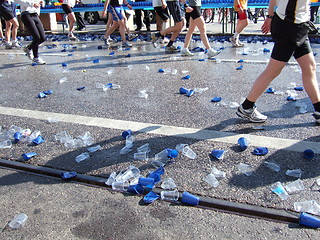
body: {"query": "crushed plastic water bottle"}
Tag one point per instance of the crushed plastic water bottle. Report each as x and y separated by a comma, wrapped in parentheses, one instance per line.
(310, 206)
(140, 156)
(302, 106)
(168, 184)
(295, 186)
(6, 144)
(186, 150)
(278, 189)
(143, 94)
(94, 149)
(211, 180)
(246, 169)
(144, 148)
(82, 157)
(294, 173)
(217, 173)
(272, 166)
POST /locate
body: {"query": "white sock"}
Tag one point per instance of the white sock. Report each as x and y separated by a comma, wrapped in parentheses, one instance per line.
(236, 35)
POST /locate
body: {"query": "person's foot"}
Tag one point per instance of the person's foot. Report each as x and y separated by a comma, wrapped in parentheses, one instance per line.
(154, 38)
(132, 36)
(15, 44)
(126, 44)
(212, 53)
(186, 52)
(252, 115)
(164, 40)
(172, 49)
(28, 52)
(39, 61)
(8, 45)
(71, 36)
(235, 42)
(316, 115)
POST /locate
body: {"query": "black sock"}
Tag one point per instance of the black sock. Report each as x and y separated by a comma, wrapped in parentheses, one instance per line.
(247, 104)
(317, 106)
(170, 43)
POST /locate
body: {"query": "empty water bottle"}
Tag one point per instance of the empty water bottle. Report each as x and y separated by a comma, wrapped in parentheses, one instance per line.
(18, 221)
(245, 169)
(278, 189)
(94, 149)
(82, 157)
(272, 166)
(295, 186)
(217, 173)
(168, 184)
(294, 173)
(211, 180)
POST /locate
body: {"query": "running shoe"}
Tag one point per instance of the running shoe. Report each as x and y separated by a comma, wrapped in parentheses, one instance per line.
(132, 36)
(212, 53)
(186, 52)
(164, 40)
(235, 42)
(126, 45)
(252, 115)
(8, 45)
(107, 41)
(172, 49)
(39, 61)
(316, 115)
(72, 37)
(28, 52)
(154, 38)
(15, 44)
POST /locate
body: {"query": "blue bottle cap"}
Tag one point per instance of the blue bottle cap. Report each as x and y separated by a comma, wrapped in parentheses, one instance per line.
(109, 85)
(136, 189)
(187, 77)
(49, 92)
(172, 153)
(96, 60)
(161, 70)
(241, 61)
(243, 143)
(129, 55)
(218, 154)
(68, 175)
(100, 47)
(244, 53)
(308, 154)
(190, 93)
(38, 140)
(150, 197)
(290, 98)
(309, 220)
(112, 53)
(34, 64)
(156, 178)
(64, 64)
(126, 133)
(27, 156)
(70, 54)
(42, 95)
(260, 151)
(189, 198)
(266, 50)
(202, 60)
(183, 90)
(80, 88)
(298, 88)
(270, 90)
(216, 99)
(17, 137)
(64, 50)
(159, 170)
(239, 68)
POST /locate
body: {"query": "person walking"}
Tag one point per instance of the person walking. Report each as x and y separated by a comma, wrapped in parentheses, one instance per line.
(178, 16)
(8, 12)
(146, 17)
(197, 20)
(240, 7)
(30, 10)
(289, 30)
(118, 20)
(67, 6)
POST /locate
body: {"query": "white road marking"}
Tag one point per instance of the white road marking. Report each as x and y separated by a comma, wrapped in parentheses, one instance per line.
(199, 134)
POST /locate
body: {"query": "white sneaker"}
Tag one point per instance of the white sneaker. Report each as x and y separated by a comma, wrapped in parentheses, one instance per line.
(72, 37)
(235, 42)
(15, 44)
(164, 40)
(240, 44)
(39, 61)
(28, 52)
(186, 52)
(8, 45)
(212, 53)
(251, 114)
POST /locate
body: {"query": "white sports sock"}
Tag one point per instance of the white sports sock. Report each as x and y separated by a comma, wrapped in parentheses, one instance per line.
(236, 35)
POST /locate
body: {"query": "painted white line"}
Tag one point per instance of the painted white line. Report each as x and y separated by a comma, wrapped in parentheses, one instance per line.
(199, 134)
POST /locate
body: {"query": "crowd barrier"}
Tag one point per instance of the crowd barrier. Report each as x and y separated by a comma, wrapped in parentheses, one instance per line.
(148, 5)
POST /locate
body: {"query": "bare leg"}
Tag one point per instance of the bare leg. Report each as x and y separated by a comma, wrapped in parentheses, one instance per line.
(309, 78)
(199, 22)
(189, 34)
(72, 20)
(175, 30)
(8, 31)
(273, 69)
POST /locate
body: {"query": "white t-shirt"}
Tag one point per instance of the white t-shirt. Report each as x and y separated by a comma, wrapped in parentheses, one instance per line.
(156, 3)
(296, 11)
(27, 6)
(71, 3)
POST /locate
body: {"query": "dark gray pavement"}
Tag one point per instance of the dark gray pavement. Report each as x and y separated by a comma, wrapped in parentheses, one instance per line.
(163, 120)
